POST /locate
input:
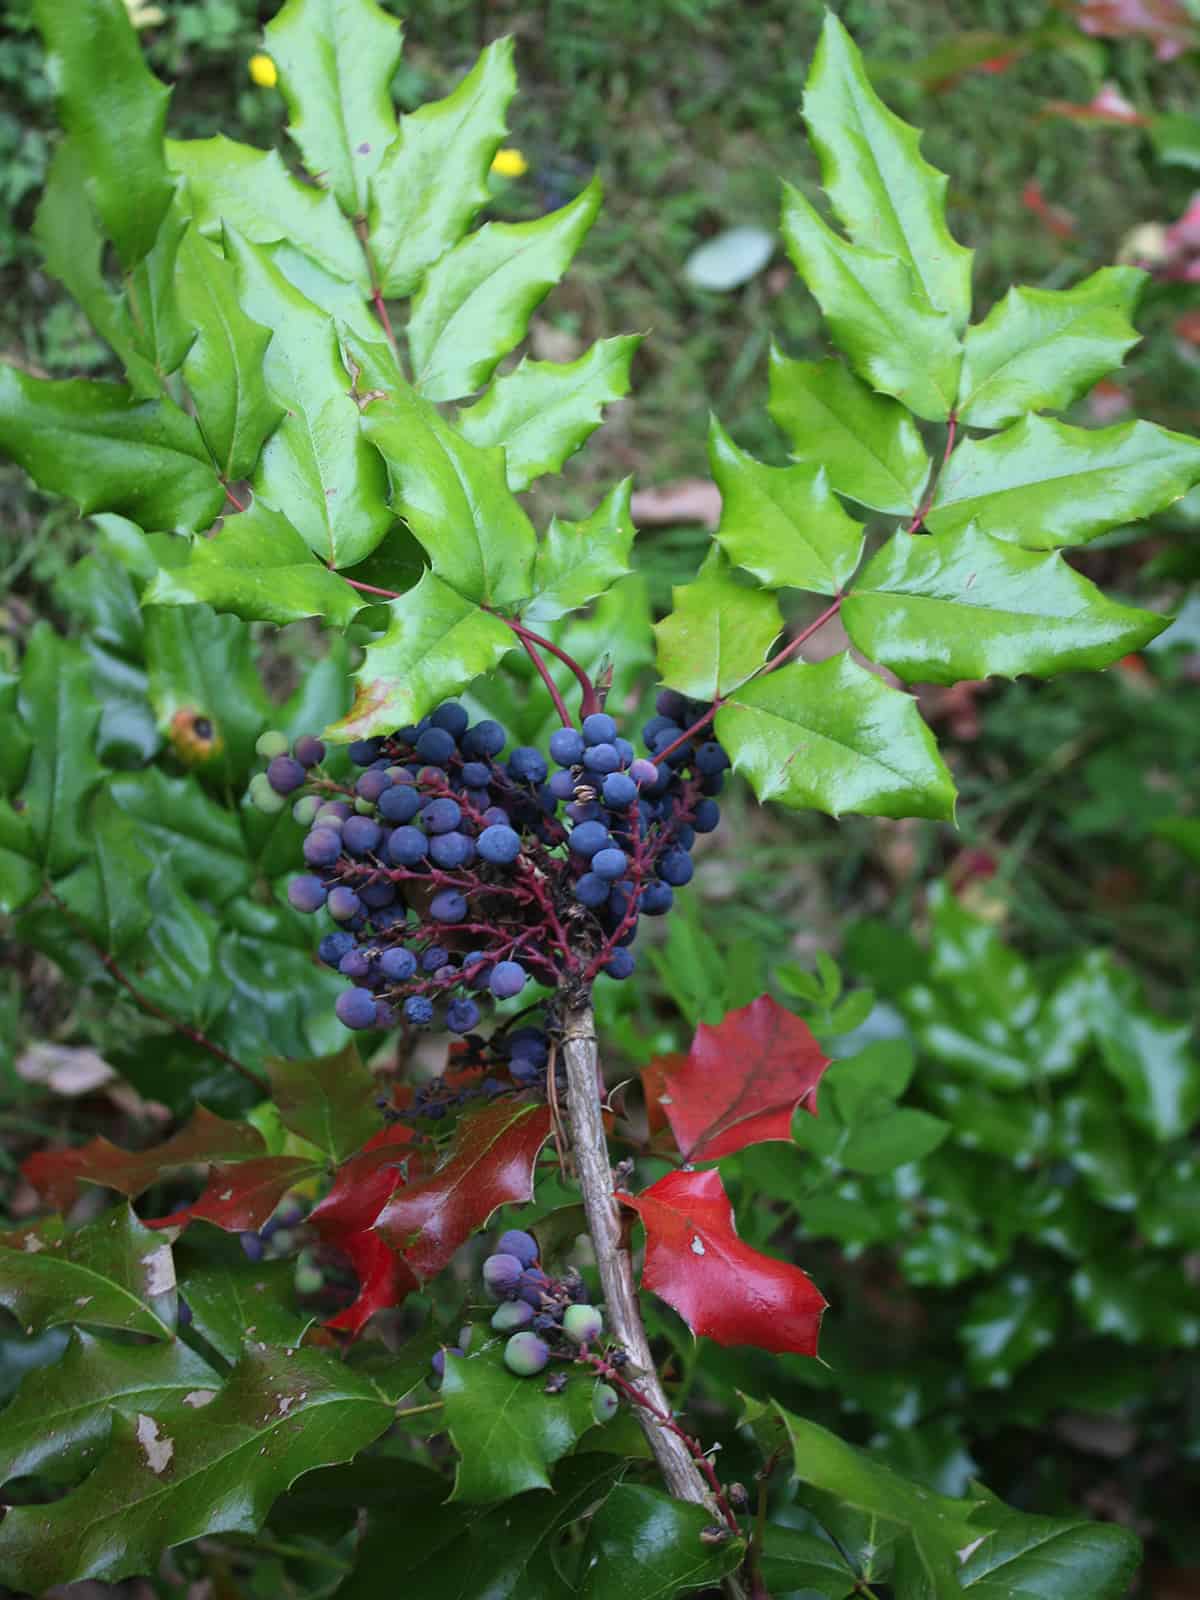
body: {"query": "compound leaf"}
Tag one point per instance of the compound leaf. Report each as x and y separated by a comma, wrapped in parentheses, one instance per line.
(1043, 484)
(577, 561)
(783, 524)
(544, 410)
(831, 735)
(475, 303)
(435, 644)
(877, 313)
(642, 1545)
(1041, 349)
(965, 605)
(507, 1430)
(718, 632)
(433, 178)
(115, 109)
(885, 193)
(336, 59)
(867, 443)
(721, 1287)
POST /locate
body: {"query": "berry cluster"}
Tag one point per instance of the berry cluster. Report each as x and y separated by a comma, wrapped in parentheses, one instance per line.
(450, 874)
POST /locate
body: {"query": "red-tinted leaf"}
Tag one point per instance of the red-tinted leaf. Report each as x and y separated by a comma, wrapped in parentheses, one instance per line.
(1109, 105)
(363, 1185)
(240, 1199)
(741, 1081)
(57, 1174)
(384, 1280)
(490, 1164)
(1166, 22)
(1058, 221)
(720, 1286)
(654, 1086)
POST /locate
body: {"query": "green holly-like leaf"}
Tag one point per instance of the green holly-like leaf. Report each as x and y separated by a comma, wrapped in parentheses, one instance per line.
(877, 312)
(203, 665)
(832, 735)
(577, 561)
(115, 109)
(260, 568)
(316, 469)
(877, 1145)
(718, 632)
(233, 1302)
(475, 303)
(233, 185)
(1149, 1056)
(783, 524)
(61, 1414)
(163, 332)
(1146, 1301)
(1043, 484)
(1041, 349)
(867, 443)
(452, 494)
(72, 248)
(1048, 1556)
(966, 605)
(224, 367)
(215, 1468)
(1007, 1324)
(328, 1100)
(544, 410)
(108, 451)
(885, 194)
(792, 1560)
(433, 178)
(107, 893)
(112, 1273)
(336, 59)
(642, 1545)
(180, 825)
(507, 1430)
(436, 642)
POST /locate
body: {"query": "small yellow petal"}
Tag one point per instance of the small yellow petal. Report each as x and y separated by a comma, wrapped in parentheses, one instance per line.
(263, 72)
(509, 164)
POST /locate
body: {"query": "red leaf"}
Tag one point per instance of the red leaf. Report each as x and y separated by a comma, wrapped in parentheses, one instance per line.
(384, 1280)
(490, 1164)
(741, 1081)
(720, 1286)
(58, 1174)
(1109, 105)
(241, 1198)
(1165, 21)
(1058, 221)
(654, 1086)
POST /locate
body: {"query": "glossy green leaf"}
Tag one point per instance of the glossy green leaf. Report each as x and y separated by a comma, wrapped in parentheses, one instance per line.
(783, 524)
(1149, 1056)
(433, 178)
(885, 193)
(336, 59)
(831, 735)
(235, 186)
(108, 891)
(234, 1302)
(1168, 1211)
(1044, 1558)
(507, 1430)
(642, 1545)
(435, 644)
(576, 561)
(60, 715)
(544, 410)
(224, 367)
(1041, 349)
(204, 1469)
(1106, 1150)
(866, 1083)
(258, 567)
(1043, 484)
(111, 1273)
(948, 607)
(934, 1527)
(200, 664)
(328, 1100)
(792, 1561)
(452, 494)
(72, 248)
(1011, 1126)
(475, 303)
(1143, 1301)
(867, 443)
(877, 313)
(897, 1136)
(107, 451)
(115, 109)
(163, 332)
(181, 825)
(1007, 1324)
(718, 632)
(317, 469)
(60, 1416)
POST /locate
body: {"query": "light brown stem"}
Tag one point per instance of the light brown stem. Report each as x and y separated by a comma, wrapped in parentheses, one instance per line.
(623, 1314)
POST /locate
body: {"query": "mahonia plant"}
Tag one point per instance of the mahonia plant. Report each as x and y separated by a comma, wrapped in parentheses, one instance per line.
(279, 451)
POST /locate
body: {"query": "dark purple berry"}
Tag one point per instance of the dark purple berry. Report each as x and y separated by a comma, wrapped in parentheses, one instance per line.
(361, 835)
(356, 1008)
(309, 752)
(418, 1011)
(306, 893)
(516, 1242)
(448, 906)
(507, 979)
(588, 837)
(462, 1016)
(451, 717)
(397, 965)
(343, 903)
(485, 739)
(599, 728)
(499, 844)
(285, 774)
(567, 746)
(502, 1275)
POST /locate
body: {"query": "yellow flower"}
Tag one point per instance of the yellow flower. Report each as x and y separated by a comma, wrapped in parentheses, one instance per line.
(263, 72)
(509, 164)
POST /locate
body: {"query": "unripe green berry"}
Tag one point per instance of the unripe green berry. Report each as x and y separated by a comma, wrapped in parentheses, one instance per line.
(309, 1280)
(272, 744)
(526, 1354)
(513, 1314)
(605, 1401)
(263, 797)
(306, 808)
(583, 1323)
(365, 808)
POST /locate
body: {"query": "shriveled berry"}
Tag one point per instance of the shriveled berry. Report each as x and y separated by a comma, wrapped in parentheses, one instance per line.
(526, 1354)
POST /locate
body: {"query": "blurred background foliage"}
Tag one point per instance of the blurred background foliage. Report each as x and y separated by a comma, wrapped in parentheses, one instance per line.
(1018, 1297)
